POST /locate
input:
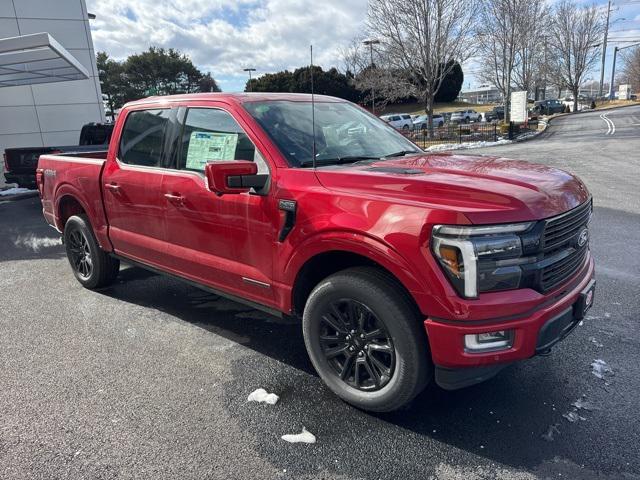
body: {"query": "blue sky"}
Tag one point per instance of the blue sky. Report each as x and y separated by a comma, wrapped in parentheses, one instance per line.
(224, 37)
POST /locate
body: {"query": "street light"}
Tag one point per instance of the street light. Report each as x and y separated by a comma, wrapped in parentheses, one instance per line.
(371, 43)
(249, 70)
(613, 68)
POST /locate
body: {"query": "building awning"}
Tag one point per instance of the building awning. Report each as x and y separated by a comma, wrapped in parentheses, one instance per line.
(37, 58)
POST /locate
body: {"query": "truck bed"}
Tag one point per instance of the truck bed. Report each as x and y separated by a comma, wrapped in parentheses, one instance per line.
(74, 175)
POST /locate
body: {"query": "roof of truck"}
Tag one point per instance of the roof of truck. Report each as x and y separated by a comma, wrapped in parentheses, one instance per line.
(237, 97)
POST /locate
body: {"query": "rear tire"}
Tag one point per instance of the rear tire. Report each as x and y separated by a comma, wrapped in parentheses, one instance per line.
(363, 314)
(92, 266)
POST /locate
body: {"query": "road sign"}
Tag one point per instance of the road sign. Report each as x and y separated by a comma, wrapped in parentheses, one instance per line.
(518, 111)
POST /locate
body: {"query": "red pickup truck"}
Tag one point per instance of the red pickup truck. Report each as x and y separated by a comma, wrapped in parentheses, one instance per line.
(404, 267)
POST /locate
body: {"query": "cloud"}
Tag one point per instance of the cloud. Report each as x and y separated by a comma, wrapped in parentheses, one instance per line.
(224, 37)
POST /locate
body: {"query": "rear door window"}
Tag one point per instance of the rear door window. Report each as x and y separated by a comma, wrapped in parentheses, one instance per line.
(142, 139)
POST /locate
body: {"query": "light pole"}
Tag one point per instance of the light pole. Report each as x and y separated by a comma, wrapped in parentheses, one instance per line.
(371, 43)
(249, 70)
(613, 68)
(604, 50)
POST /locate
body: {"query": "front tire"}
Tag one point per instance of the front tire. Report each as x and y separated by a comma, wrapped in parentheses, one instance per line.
(91, 265)
(365, 340)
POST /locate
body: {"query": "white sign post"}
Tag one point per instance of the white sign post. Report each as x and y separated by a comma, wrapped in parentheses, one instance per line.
(518, 111)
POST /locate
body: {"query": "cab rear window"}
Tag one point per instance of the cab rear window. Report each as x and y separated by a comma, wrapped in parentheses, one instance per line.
(142, 137)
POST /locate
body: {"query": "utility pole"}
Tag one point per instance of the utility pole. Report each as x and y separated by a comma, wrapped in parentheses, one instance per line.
(371, 43)
(612, 94)
(604, 50)
(249, 70)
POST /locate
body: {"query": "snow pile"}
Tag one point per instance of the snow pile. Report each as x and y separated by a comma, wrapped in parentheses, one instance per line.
(261, 396)
(36, 243)
(14, 191)
(465, 146)
(600, 369)
(304, 437)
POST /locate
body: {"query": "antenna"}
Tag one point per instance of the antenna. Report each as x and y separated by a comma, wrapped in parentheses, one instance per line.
(313, 113)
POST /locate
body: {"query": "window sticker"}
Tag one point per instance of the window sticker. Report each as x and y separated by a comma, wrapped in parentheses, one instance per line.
(207, 146)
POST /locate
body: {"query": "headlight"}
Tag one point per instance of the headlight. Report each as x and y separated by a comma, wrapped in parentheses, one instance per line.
(480, 259)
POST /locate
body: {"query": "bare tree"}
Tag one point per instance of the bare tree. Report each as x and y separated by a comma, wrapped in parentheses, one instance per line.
(511, 44)
(575, 32)
(631, 69)
(419, 38)
(532, 67)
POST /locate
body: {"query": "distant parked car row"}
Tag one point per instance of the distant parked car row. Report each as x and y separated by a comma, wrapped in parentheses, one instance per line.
(405, 121)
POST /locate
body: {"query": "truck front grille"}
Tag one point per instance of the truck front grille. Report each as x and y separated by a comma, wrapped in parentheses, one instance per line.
(561, 238)
(558, 272)
(562, 230)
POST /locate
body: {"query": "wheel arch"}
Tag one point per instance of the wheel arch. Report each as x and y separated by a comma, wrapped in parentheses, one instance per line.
(321, 264)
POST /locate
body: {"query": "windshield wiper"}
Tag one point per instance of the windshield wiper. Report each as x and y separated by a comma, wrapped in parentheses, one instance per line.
(401, 153)
(337, 160)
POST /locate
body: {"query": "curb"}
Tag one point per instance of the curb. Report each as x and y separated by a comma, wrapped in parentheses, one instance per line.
(19, 196)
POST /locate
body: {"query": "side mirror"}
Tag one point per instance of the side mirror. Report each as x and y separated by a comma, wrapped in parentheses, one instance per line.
(236, 176)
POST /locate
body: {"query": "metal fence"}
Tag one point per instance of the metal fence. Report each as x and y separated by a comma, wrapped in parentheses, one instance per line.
(453, 133)
(468, 132)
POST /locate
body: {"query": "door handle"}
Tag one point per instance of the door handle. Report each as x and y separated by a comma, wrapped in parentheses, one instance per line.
(176, 199)
(112, 186)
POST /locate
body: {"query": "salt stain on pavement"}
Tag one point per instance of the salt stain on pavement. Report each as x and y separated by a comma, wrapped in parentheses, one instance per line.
(304, 437)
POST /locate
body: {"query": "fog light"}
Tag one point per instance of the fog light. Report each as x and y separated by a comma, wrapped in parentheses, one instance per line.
(499, 340)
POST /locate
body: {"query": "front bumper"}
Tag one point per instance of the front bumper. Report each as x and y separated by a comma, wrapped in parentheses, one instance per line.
(534, 333)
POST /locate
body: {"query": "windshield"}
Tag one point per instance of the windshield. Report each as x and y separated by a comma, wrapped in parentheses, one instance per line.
(343, 132)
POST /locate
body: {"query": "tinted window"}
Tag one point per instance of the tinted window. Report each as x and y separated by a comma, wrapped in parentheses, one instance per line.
(143, 136)
(394, 119)
(406, 117)
(211, 134)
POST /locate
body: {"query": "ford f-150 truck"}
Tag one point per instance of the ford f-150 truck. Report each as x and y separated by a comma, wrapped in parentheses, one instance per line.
(404, 267)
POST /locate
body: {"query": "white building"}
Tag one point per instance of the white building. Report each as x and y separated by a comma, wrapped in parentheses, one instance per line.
(49, 84)
(482, 94)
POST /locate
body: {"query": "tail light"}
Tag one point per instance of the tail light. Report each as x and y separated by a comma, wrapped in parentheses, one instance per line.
(6, 162)
(40, 180)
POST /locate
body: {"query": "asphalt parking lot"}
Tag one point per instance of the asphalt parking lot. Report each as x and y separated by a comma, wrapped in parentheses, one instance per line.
(149, 378)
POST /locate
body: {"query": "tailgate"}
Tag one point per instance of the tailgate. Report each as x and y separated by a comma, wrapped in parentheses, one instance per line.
(25, 160)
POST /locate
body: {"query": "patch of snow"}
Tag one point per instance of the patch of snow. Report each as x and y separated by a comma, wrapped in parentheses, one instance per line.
(14, 191)
(465, 146)
(261, 396)
(573, 416)
(304, 437)
(553, 430)
(600, 369)
(595, 342)
(36, 243)
(583, 404)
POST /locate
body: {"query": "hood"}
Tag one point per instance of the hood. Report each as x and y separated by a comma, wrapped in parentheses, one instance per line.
(485, 189)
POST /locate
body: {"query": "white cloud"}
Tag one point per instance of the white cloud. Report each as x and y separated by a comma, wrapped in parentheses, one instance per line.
(224, 37)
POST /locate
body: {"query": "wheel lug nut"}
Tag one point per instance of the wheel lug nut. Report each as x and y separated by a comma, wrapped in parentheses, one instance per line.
(360, 353)
(352, 332)
(348, 337)
(362, 336)
(351, 349)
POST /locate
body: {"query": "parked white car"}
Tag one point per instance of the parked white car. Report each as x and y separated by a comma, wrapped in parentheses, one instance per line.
(465, 116)
(422, 121)
(401, 121)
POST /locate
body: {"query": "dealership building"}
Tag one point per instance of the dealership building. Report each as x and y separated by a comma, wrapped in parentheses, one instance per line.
(49, 86)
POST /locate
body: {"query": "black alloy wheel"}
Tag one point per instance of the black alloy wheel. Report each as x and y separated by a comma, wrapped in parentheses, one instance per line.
(357, 345)
(80, 254)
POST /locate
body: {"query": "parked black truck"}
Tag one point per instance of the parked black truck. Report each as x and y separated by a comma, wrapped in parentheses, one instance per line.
(20, 163)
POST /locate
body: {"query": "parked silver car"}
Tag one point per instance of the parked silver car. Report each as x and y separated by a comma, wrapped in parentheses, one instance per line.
(422, 121)
(465, 116)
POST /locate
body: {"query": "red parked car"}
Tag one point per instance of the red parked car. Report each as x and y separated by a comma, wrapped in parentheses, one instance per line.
(404, 267)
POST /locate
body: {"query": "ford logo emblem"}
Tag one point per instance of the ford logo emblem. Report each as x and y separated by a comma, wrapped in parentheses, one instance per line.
(583, 238)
